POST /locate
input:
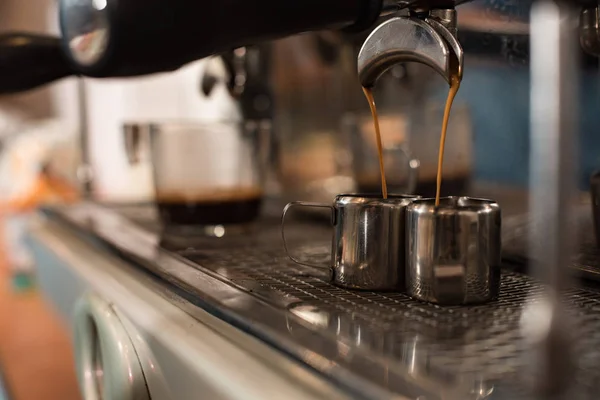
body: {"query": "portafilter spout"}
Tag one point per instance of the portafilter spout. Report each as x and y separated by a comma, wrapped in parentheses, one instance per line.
(427, 39)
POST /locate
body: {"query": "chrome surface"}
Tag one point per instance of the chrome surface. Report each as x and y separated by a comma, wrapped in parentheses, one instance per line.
(180, 346)
(427, 41)
(86, 29)
(454, 250)
(590, 30)
(368, 241)
(554, 95)
(378, 345)
(517, 238)
(246, 74)
(595, 203)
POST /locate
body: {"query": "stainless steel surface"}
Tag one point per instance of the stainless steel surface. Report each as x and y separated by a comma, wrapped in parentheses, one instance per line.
(85, 26)
(387, 344)
(236, 77)
(368, 241)
(595, 204)
(454, 250)
(181, 347)
(554, 95)
(590, 30)
(585, 263)
(246, 74)
(517, 229)
(428, 41)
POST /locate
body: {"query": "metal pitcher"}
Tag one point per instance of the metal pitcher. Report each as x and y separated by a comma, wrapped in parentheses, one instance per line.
(368, 247)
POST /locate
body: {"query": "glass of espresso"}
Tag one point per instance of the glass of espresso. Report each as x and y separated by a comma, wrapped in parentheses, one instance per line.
(208, 176)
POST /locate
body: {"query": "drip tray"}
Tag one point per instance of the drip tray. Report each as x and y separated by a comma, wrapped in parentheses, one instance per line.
(586, 260)
(482, 343)
(385, 341)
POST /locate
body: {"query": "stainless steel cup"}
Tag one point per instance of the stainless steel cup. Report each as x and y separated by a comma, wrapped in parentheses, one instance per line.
(368, 241)
(453, 251)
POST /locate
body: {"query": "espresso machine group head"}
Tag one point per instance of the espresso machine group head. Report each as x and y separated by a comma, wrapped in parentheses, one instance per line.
(427, 37)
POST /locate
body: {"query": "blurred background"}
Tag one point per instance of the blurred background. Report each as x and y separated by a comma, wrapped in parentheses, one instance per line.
(67, 141)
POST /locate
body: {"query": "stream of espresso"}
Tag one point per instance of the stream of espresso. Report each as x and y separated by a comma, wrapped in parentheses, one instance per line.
(369, 95)
(454, 86)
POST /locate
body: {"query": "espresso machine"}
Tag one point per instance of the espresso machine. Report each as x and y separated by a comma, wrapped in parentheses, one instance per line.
(365, 343)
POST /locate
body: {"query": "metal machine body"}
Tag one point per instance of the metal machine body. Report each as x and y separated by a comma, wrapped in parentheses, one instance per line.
(372, 345)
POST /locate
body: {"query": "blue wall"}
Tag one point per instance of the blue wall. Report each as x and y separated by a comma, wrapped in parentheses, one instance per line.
(498, 98)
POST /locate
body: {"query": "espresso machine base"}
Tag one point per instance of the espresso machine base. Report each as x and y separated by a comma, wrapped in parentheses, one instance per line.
(373, 345)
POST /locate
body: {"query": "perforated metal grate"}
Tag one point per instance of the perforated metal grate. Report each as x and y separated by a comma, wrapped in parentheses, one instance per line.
(586, 260)
(482, 345)
(480, 341)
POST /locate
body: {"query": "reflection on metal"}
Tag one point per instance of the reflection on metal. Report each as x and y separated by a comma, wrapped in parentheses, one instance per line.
(246, 73)
(368, 241)
(590, 30)
(404, 345)
(415, 354)
(554, 113)
(85, 25)
(430, 41)
(453, 253)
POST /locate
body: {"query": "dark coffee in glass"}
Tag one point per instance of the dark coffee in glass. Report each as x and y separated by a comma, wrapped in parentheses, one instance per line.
(208, 174)
(234, 206)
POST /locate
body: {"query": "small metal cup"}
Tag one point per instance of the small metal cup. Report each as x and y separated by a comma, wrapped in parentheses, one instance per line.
(454, 250)
(368, 241)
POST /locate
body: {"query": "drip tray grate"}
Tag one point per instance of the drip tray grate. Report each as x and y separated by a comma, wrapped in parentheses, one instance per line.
(445, 347)
(481, 342)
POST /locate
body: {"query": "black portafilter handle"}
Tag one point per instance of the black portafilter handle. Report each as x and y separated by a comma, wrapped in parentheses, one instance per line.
(29, 60)
(148, 36)
(139, 37)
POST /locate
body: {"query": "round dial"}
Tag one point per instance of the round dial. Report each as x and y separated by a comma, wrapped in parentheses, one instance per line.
(85, 28)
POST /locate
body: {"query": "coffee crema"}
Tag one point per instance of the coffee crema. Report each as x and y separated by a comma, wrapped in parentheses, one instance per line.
(229, 206)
